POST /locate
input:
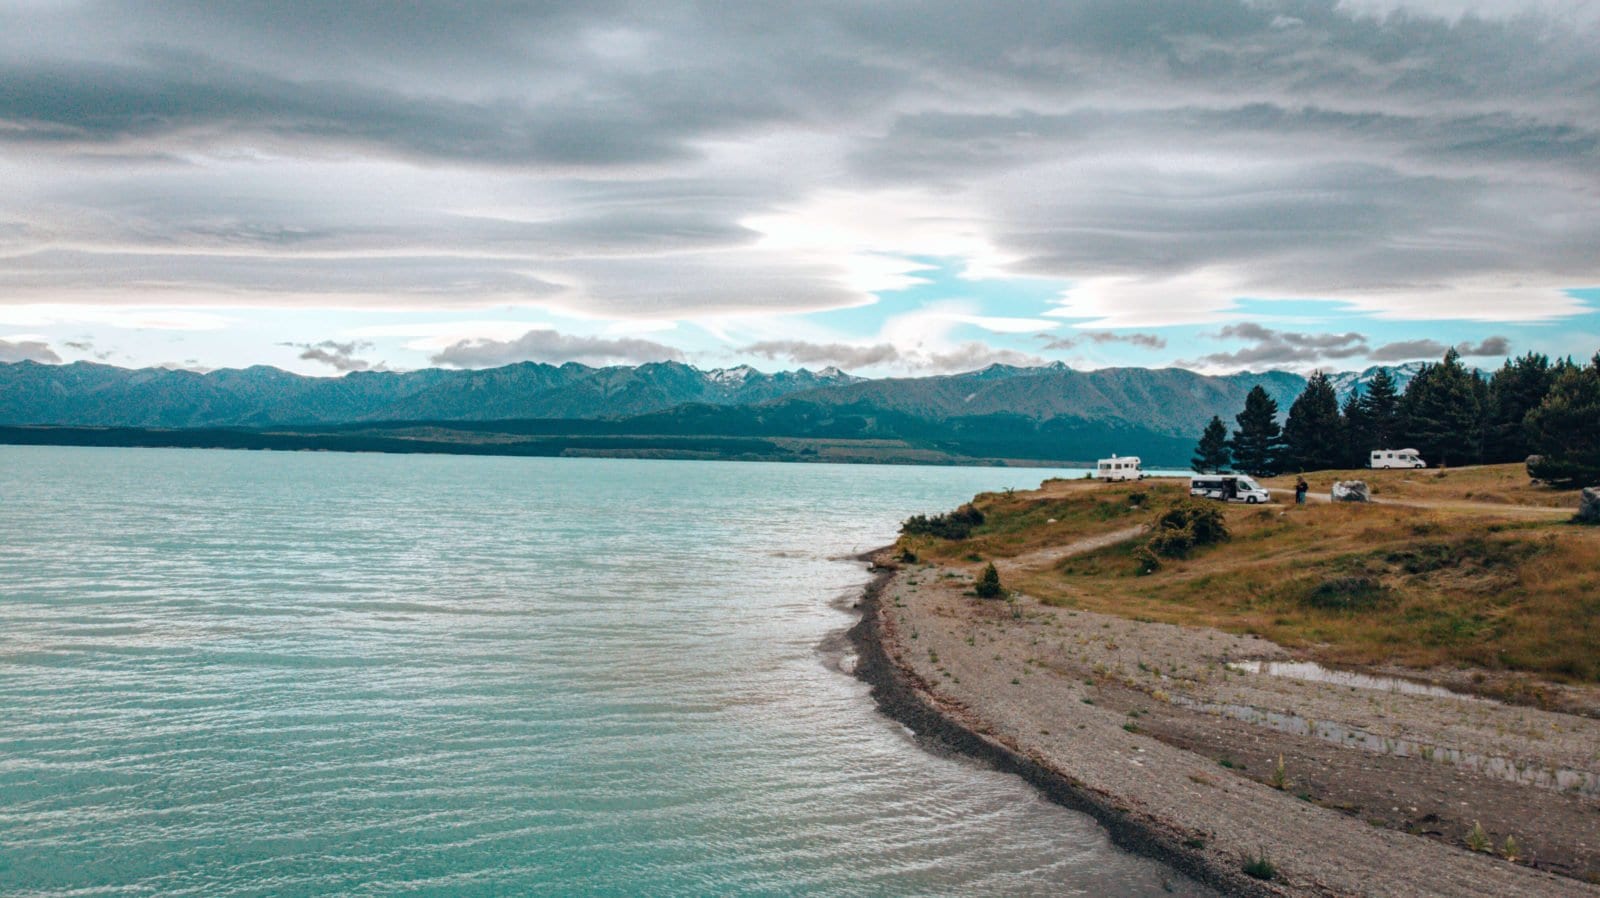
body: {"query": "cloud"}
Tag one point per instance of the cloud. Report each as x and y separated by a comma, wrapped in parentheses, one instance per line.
(28, 351)
(340, 355)
(551, 346)
(840, 355)
(185, 365)
(1100, 338)
(1492, 346)
(967, 356)
(972, 356)
(1406, 350)
(675, 160)
(1273, 347)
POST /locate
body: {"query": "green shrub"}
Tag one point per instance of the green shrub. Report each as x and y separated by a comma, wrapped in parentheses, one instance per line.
(1172, 542)
(1261, 867)
(988, 586)
(1186, 525)
(957, 524)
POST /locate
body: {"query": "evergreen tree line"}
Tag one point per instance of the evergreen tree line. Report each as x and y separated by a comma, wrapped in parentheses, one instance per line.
(1448, 413)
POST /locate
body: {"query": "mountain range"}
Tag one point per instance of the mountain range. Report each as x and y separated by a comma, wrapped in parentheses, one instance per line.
(85, 393)
(1051, 412)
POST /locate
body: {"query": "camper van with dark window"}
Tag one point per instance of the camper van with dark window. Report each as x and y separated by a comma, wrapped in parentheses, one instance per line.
(1228, 488)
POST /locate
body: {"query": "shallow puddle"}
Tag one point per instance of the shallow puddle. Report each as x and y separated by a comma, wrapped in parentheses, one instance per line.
(1316, 673)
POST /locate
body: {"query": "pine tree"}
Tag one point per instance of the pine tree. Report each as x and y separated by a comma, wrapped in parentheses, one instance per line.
(1381, 406)
(1311, 436)
(1357, 432)
(1211, 454)
(1516, 389)
(1442, 413)
(1565, 428)
(1257, 442)
(988, 585)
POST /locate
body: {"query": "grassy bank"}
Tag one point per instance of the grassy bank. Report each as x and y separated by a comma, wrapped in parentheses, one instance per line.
(1453, 583)
(1491, 484)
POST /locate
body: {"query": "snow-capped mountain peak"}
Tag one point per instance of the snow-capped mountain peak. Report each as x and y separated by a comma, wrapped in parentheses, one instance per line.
(733, 376)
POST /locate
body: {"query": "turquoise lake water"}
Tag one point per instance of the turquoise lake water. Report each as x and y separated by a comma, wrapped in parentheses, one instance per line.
(246, 673)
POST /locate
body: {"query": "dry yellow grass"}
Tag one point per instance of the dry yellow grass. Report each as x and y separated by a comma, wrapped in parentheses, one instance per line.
(1495, 484)
(1349, 583)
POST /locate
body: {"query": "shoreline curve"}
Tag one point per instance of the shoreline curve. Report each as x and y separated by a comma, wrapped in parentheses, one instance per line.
(902, 696)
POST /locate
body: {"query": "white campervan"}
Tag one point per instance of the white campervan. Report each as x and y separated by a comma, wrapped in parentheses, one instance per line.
(1396, 458)
(1124, 468)
(1228, 488)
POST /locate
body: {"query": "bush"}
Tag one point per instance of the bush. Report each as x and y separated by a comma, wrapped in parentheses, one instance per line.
(988, 586)
(1261, 867)
(957, 524)
(1149, 562)
(1185, 526)
(1172, 542)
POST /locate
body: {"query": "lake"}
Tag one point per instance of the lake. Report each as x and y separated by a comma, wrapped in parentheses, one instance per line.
(255, 673)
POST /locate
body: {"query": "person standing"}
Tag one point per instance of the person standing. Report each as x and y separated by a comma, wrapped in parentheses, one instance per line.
(1300, 489)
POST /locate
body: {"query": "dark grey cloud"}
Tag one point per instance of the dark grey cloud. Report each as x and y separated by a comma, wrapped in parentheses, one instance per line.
(968, 356)
(1270, 347)
(611, 155)
(1489, 347)
(1100, 338)
(28, 351)
(339, 355)
(591, 86)
(552, 346)
(839, 355)
(1406, 350)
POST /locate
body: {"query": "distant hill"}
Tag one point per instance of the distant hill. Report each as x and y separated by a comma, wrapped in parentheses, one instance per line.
(83, 393)
(1051, 413)
(1164, 400)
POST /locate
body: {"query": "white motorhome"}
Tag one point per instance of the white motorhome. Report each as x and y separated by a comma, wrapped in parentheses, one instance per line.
(1396, 458)
(1228, 488)
(1124, 468)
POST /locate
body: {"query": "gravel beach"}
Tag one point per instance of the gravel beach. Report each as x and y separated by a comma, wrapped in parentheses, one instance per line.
(1332, 789)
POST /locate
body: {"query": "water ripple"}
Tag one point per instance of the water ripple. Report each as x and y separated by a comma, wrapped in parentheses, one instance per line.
(235, 674)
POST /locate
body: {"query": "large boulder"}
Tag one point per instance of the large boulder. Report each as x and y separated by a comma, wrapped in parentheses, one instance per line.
(1533, 462)
(1351, 491)
(1589, 506)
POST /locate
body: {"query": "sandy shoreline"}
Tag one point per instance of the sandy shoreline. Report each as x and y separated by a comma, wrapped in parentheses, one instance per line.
(1119, 719)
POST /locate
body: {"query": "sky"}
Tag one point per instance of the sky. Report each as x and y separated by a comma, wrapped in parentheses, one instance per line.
(890, 187)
